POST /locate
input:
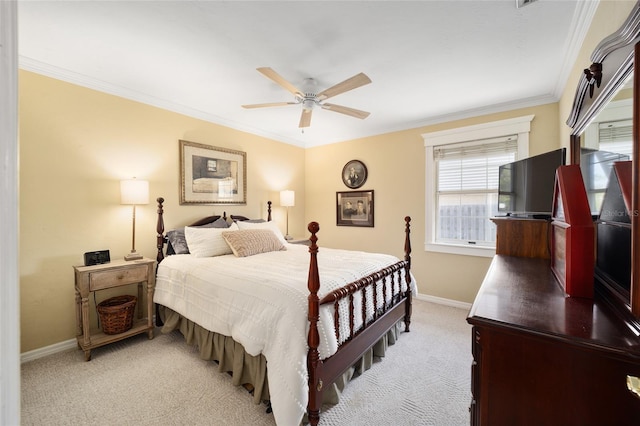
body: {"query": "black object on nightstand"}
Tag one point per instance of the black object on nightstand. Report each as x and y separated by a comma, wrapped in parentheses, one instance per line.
(96, 257)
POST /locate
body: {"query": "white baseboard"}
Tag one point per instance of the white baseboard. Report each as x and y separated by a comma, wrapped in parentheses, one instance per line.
(48, 350)
(52, 349)
(72, 343)
(443, 301)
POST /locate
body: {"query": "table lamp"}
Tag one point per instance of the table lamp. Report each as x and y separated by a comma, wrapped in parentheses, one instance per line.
(287, 199)
(134, 192)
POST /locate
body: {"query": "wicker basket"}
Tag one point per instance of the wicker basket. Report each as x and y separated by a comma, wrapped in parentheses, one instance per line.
(116, 314)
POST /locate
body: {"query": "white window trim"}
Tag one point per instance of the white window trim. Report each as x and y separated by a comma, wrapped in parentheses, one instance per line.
(519, 125)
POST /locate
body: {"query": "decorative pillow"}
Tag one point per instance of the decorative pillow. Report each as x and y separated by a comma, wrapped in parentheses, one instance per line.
(207, 242)
(177, 241)
(248, 242)
(263, 225)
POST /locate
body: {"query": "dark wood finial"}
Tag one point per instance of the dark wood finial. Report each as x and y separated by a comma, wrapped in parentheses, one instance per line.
(313, 227)
(594, 76)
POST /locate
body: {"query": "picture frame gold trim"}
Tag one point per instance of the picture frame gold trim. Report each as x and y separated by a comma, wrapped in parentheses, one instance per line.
(212, 175)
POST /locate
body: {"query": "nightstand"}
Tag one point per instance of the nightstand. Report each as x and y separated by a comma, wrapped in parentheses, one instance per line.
(303, 241)
(109, 275)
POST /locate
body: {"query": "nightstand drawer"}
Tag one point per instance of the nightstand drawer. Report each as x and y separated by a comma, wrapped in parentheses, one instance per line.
(117, 277)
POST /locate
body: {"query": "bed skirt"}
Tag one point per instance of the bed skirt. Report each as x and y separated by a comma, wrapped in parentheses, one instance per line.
(251, 371)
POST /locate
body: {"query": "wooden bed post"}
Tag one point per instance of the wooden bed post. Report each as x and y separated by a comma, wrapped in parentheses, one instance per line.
(407, 275)
(160, 245)
(268, 211)
(313, 357)
(160, 230)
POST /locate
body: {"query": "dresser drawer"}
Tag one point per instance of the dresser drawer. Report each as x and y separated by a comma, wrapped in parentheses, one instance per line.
(105, 279)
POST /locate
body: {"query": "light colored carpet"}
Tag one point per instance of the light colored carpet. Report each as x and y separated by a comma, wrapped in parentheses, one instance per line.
(423, 380)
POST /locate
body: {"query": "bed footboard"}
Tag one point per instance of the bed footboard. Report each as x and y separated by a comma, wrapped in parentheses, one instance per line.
(394, 305)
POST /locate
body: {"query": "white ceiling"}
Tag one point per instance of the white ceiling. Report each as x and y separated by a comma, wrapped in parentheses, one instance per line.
(429, 61)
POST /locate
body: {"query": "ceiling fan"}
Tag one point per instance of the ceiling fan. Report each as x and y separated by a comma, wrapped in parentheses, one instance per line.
(309, 99)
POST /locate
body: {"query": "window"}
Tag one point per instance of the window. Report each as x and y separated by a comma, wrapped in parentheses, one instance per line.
(605, 140)
(616, 136)
(611, 130)
(466, 194)
(462, 183)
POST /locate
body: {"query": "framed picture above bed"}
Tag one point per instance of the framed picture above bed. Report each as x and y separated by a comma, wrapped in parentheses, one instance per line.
(354, 208)
(212, 175)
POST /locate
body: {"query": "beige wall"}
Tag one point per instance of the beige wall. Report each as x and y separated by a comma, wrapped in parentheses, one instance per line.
(396, 172)
(75, 146)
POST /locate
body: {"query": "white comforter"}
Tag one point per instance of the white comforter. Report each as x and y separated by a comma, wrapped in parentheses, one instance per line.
(261, 301)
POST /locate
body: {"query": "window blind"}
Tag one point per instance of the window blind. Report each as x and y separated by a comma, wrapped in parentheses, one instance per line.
(473, 166)
(616, 136)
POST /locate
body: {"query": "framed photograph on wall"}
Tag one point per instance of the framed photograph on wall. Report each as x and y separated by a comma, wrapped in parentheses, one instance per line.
(212, 175)
(354, 208)
(354, 174)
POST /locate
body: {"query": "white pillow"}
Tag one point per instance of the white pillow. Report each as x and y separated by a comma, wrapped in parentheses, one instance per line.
(263, 225)
(207, 242)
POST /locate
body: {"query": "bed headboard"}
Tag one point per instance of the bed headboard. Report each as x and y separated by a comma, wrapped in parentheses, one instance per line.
(162, 238)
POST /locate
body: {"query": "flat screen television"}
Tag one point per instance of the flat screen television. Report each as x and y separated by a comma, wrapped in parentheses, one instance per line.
(525, 187)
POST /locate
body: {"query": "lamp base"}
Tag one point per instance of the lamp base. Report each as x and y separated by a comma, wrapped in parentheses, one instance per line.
(133, 256)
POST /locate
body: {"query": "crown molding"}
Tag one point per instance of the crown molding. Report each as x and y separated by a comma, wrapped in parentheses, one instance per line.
(32, 65)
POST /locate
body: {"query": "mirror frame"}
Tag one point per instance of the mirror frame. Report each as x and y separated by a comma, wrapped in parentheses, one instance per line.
(614, 58)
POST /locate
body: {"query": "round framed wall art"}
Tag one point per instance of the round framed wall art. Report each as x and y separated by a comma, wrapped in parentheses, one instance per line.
(354, 174)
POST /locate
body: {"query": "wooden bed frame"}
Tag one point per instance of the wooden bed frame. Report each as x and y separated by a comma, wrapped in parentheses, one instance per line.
(324, 372)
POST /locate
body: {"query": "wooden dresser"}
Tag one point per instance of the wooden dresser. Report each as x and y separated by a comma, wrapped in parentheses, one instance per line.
(541, 358)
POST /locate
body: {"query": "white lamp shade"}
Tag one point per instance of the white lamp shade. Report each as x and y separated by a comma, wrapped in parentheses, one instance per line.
(134, 191)
(287, 198)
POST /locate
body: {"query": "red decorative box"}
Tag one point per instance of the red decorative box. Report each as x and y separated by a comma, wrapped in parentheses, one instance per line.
(572, 234)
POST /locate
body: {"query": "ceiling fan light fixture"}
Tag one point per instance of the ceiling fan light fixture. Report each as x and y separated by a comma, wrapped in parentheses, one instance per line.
(309, 98)
(308, 104)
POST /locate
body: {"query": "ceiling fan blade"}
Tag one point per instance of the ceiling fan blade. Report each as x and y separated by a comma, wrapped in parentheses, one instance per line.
(305, 118)
(346, 110)
(270, 104)
(349, 84)
(269, 73)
